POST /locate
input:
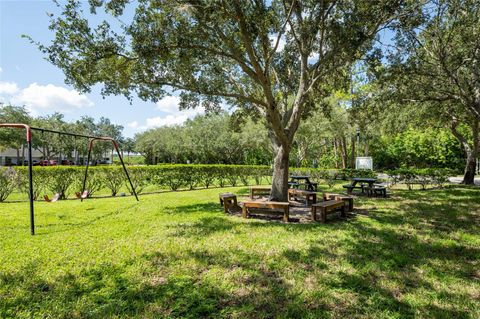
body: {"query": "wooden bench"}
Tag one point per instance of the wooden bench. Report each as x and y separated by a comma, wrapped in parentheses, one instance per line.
(345, 198)
(310, 197)
(376, 190)
(259, 190)
(327, 207)
(266, 205)
(228, 200)
(350, 188)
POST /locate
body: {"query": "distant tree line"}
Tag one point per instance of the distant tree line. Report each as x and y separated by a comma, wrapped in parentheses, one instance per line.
(54, 146)
(323, 142)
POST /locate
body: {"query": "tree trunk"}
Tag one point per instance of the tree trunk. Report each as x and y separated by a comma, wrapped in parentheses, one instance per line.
(366, 147)
(343, 147)
(352, 156)
(280, 174)
(471, 150)
(18, 156)
(470, 168)
(472, 154)
(335, 152)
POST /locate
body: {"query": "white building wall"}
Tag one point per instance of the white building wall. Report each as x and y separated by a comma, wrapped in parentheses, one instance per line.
(10, 156)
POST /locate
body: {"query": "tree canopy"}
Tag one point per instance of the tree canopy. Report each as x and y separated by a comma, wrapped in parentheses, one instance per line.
(272, 59)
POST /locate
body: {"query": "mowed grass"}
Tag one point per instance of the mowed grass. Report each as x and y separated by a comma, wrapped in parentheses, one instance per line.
(175, 254)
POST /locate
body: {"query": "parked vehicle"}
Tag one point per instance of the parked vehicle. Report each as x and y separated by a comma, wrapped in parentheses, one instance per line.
(34, 162)
(44, 163)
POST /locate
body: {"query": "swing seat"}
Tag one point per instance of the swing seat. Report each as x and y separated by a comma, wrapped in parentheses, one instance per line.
(55, 198)
(83, 195)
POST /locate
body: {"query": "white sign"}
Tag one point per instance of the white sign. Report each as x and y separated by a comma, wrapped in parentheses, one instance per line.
(364, 163)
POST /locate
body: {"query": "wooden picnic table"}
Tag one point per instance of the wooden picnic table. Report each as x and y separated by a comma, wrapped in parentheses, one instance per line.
(296, 179)
(361, 180)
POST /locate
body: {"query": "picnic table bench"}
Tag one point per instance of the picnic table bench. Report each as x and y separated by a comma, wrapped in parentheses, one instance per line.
(327, 207)
(310, 197)
(376, 190)
(265, 190)
(283, 206)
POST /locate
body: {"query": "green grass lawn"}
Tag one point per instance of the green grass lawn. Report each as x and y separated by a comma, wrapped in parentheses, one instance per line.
(175, 254)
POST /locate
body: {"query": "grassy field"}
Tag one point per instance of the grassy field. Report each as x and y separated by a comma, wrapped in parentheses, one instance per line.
(415, 254)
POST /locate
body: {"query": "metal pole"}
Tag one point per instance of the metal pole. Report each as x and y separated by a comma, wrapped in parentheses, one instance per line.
(86, 168)
(125, 169)
(30, 186)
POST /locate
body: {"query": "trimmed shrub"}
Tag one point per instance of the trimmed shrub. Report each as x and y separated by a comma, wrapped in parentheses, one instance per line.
(9, 181)
(40, 178)
(112, 177)
(139, 177)
(60, 179)
(95, 181)
(423, 177)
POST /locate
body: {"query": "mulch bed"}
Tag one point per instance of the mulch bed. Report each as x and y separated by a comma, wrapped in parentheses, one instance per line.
(299, 212)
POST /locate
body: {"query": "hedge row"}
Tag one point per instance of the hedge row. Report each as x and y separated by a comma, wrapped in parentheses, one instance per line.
(66, 180)
(427, 176)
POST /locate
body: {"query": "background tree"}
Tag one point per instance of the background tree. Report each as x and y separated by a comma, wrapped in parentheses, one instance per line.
(222, 50)
(438, 67)
(12, 138)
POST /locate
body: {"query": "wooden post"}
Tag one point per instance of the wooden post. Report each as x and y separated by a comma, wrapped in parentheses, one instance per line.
(245, 211)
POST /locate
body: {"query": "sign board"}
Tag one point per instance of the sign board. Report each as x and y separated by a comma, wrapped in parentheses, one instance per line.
(364, 163)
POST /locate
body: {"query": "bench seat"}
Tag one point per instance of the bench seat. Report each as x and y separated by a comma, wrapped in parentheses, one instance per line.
(377, 190)
(350, 188)
(255, 190)
(228, 201)
(309, 196)
(327, 207)
(267, 205)
(345, 198)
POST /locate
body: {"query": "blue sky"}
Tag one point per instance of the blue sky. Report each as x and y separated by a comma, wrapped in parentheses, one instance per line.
(26, 78)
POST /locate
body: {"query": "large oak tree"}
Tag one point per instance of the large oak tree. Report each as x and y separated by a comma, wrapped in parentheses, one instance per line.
(269, 58)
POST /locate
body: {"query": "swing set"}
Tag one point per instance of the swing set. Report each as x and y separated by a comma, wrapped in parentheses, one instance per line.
(91, 139)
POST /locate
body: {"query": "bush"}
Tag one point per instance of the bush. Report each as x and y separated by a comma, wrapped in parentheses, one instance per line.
(59, 180)
(112, 177)
(64, 179)
(94, 183)
(40, 178)
(139, 177)
(427, 176)
(9, 180)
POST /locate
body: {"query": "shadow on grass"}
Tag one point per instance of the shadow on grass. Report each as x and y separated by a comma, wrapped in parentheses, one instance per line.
(107, 291)
(365, 270)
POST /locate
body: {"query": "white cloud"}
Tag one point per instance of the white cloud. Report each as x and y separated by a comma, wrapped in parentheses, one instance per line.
(168, 120)
(8, 88)
(133, 124)
(174, 116)
(50, 97)
(169, 104)
(1, 70)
